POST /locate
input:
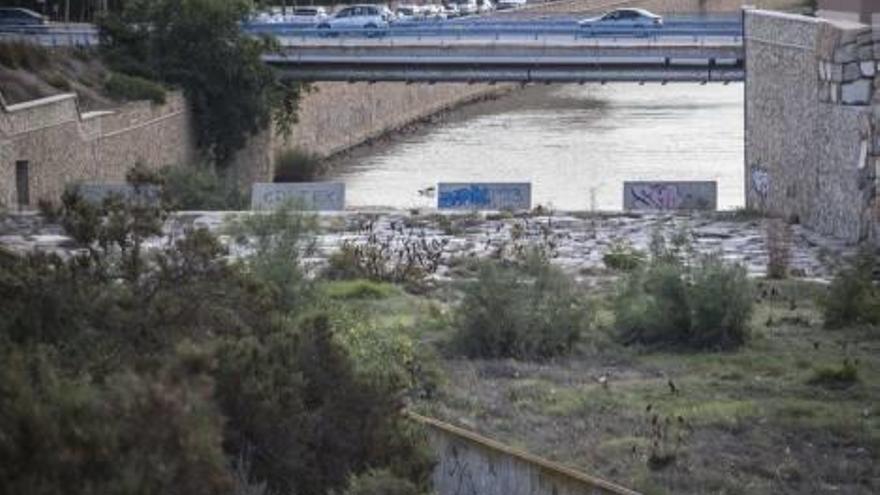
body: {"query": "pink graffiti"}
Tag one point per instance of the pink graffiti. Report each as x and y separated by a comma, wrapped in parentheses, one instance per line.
(656, 196)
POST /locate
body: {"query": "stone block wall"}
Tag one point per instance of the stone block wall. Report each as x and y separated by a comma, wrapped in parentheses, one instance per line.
(62, 145)
(811, 139)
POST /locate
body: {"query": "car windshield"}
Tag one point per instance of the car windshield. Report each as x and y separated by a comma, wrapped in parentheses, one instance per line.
(308, 12)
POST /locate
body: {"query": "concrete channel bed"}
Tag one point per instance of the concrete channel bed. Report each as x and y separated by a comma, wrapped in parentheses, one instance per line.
(576, 241)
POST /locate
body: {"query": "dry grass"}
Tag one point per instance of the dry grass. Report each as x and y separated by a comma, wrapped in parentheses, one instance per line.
(751, 420)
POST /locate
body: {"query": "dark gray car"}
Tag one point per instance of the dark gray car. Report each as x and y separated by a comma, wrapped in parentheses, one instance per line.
(13, 16)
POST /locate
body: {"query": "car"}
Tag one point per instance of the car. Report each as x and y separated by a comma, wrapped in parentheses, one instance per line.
(486, 6)
(451, 10)
(467, 7)
(14, 16)
(408, 13)
(510, 4)
(307, 16)
(373, 18)
(628, 18)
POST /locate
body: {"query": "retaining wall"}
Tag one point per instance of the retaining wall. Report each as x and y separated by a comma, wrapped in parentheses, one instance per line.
(469, 464)
(812, 144)
(339, 115)
(62, 145)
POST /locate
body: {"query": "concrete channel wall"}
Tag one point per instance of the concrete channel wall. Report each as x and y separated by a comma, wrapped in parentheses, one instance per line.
(469, 464)
(812, 106)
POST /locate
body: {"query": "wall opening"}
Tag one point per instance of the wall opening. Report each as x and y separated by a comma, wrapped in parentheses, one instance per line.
(22, 184)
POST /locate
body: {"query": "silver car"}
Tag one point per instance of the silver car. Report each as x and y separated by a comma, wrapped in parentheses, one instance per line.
(624, 18)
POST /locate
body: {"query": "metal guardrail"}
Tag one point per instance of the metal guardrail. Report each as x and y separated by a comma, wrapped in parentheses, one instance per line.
(51, 35)
(498, 31)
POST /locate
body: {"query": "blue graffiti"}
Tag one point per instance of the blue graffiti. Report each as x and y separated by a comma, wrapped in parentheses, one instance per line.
(465, 196)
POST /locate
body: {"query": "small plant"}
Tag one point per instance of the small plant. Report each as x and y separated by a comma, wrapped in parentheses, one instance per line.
(622, 256)
(531, 311)
(778, 235)
(853, 297)
(380, 482)
(666, 435)
(58, 81)
(297, 166)
(834, 377)
(130, 88)
(394, 257)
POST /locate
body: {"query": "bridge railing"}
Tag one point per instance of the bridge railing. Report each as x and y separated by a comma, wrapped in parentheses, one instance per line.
(51, 35)
(498, 32)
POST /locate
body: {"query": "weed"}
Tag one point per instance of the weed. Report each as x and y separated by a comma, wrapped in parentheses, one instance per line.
(397, 257)
(623, 256)
(20, 55)
(835, 377)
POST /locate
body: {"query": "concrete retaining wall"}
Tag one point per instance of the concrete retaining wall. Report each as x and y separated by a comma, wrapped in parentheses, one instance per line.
(338, 115)
(811, 140)
(469, 464)
(62, 145)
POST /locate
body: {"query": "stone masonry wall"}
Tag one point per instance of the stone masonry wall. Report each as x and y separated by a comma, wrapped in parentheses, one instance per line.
(62, 145)
(811, 115)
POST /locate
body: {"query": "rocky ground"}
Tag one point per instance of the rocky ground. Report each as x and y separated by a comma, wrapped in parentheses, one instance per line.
(577, 241)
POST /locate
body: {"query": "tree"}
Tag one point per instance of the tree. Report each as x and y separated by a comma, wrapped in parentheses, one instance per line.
(198, 45)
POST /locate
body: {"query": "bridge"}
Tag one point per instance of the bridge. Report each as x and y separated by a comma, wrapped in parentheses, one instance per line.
(545, 51)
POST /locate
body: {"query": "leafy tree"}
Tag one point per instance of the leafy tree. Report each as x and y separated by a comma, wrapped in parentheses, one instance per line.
(199, 46)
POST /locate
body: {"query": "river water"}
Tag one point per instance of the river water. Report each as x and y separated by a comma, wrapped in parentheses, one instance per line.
(575, 144)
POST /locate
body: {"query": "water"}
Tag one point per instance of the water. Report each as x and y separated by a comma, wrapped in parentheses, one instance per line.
(575, 144)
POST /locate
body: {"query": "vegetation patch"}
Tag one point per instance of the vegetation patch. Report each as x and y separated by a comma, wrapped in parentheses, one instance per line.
(295, 165)
(531, 311)
(359, 289)
(131, 88)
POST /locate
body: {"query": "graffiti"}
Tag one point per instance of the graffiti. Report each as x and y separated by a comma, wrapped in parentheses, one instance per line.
(656, 197)
(670, 195)
(312, 195)
(488, 196)
(460, 470)
(760, 182)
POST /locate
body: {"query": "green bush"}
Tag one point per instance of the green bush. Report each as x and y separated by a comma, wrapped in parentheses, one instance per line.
(62, 435)
(130, 88)
(706, 306)
(295, 165)
(200, 188)
(380, 482)
(836, 377)
(623, 256)
(359, 289)
(131, 371)
(532, 311)
(853, 297)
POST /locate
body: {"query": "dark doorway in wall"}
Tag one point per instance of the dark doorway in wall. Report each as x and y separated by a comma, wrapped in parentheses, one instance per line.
(22, 183)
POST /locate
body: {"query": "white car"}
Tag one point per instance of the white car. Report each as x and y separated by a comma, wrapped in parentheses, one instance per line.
(486, 6)
(307, 16)
(510, 4)
(467, 7)
(624, 18)
(408, 13)
(372, 18)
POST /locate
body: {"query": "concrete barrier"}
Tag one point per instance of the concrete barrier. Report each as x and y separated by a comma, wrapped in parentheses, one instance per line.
(98, 192)
(311, 195)
(469, 464)
(674, 195)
